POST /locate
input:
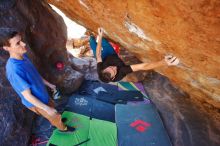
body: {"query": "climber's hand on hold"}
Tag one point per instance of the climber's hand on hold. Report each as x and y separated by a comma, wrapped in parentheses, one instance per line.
(99, 45)
(171, 60)
(100, 31)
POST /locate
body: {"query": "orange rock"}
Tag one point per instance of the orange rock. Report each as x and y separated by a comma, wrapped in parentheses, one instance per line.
(150, 29)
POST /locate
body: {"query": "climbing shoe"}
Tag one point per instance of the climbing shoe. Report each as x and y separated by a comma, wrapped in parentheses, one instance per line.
(68, 129)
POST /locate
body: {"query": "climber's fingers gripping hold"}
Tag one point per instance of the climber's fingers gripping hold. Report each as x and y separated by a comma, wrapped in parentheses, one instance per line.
(100, 31)
(171, 60)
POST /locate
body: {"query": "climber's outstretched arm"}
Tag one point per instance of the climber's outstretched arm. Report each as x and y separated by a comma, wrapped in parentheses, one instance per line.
(167, 61)
(99, 45)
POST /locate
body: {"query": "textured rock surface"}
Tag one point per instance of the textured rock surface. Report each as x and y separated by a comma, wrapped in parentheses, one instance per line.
(81, 58)
(187, 122)
(149, 29)
(87, 66)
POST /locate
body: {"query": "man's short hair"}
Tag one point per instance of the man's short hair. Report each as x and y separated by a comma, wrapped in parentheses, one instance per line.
(105, 77)
(5, 35)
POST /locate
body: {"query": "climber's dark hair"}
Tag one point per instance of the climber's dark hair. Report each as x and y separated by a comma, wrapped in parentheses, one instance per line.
(105, 77)
(5, 35)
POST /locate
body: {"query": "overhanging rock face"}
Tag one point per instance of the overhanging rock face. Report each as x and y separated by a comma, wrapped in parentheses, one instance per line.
(150, 29)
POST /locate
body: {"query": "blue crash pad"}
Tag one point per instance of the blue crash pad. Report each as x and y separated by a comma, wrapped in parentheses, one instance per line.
(89, 106)
(140, 125)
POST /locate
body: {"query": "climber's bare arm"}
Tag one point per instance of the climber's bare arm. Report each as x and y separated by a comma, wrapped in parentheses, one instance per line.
(99, 45)
(168, 61)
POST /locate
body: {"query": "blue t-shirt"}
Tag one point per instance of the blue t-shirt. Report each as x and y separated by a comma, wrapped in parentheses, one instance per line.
(23, 75)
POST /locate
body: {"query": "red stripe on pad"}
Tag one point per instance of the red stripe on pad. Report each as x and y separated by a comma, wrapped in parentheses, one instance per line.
(140, 125)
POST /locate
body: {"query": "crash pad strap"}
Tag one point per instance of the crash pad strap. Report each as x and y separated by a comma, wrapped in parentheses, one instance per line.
(120, 97)
(50, 144)
(82, 142)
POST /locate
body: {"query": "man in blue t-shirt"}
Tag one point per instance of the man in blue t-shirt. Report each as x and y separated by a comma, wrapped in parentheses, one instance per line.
(26, 80)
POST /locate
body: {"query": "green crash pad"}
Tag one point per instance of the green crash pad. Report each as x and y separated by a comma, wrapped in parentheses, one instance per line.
(95, 132)
(102, 133)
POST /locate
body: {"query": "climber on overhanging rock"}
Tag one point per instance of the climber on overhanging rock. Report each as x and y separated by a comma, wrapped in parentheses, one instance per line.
(111, 68)
(26, 81)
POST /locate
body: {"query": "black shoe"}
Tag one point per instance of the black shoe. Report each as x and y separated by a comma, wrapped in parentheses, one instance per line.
(64, 120)
(69, 130)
